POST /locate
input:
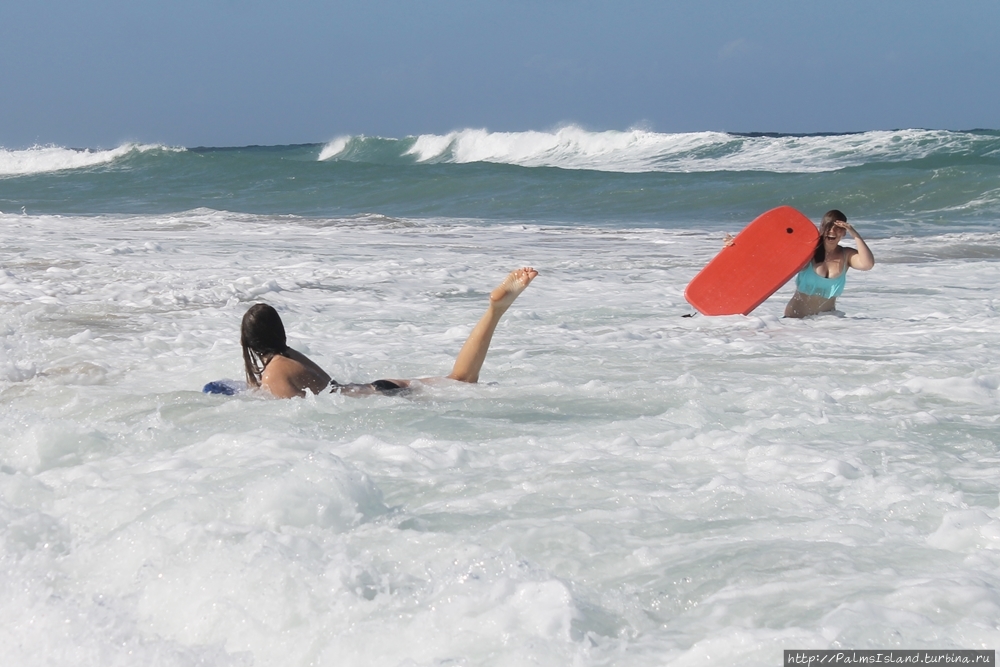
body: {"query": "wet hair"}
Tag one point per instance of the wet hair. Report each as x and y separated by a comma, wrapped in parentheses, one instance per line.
(819, 255)
(262, 336)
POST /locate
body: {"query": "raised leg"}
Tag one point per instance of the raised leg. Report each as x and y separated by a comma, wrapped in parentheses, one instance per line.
(470, 358)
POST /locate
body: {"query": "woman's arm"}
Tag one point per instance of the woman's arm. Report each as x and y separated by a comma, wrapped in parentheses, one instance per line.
(863, 259)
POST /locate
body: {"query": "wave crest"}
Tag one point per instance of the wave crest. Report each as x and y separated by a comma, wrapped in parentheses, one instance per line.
(43, 159)
(636, 150)
(334, 148)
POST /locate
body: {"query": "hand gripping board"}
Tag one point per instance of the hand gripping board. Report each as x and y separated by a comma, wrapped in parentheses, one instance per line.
(762, 258)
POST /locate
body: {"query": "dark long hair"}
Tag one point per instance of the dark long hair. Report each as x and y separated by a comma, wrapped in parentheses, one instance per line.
(819, 255)
(262, 336)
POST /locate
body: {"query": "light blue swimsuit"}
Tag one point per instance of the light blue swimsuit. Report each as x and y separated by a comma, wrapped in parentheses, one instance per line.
(809, 282)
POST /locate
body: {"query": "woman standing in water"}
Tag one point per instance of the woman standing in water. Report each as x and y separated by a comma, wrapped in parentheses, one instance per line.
(273, 366)
(821, 281)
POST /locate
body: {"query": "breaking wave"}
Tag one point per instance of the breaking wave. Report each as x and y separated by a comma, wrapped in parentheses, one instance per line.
(637, 150)
(44, 159)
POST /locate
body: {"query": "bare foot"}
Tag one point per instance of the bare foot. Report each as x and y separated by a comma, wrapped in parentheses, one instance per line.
(515, 283)
(470, 358)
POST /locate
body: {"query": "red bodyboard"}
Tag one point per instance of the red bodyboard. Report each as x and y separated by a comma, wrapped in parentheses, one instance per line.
(762, 258)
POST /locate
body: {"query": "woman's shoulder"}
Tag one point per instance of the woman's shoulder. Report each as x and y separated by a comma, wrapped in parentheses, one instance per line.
(282, 377)
(292, 374)
(280, 363)
(845, 254)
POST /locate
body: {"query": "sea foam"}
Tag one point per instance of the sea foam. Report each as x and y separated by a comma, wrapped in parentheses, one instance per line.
(625, 485)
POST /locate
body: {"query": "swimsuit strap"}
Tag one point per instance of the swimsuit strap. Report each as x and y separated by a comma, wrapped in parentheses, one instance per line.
(386, 387)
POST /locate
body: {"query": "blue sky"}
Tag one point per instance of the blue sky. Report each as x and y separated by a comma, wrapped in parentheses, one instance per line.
(239, 72)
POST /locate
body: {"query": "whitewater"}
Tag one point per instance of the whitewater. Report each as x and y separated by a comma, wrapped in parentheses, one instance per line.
(627, 484)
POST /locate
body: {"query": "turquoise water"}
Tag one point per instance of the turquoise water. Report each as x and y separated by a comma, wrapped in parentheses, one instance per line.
(908, 181)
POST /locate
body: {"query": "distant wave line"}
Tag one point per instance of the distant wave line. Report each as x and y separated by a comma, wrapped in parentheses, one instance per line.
(45, 159)
(634, 151)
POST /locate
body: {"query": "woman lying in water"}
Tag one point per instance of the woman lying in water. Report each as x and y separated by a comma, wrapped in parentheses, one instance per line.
(273, 366)
(821, 281)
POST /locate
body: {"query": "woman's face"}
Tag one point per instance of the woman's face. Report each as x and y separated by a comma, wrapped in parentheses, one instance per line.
(834, 233)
